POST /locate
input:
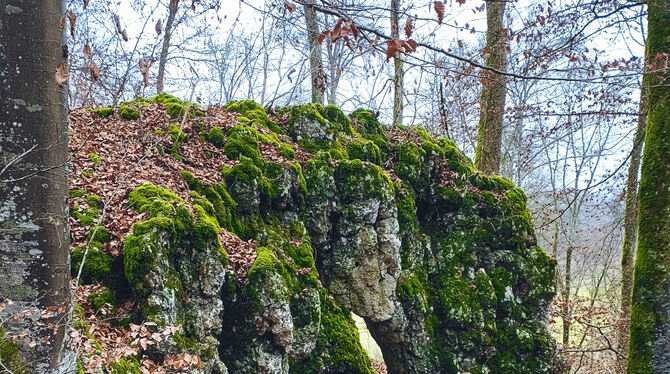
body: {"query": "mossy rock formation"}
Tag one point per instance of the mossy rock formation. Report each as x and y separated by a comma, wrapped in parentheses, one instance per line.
(389, 223)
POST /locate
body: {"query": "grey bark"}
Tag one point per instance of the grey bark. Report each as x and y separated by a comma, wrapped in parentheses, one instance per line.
(315, 63)
(34, 246)
(169, 26)
(398, 76)
(492, 98)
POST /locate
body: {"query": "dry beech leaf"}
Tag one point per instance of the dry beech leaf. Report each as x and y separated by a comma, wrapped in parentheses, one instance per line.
(353, 28)
(117, 23)
(95, 71)
(85, 3)
(409, 27)
(322, 36)
(439, 9)
(124, 34)
(87, 50)
(144, 69)
(73, 22)
(61, 74)
(159, 27)
(61, 24)
(289, 6)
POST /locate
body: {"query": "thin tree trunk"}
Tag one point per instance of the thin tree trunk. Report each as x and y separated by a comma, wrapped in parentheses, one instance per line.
(565, 309)
(492, 98)
(630, 226)
(169, 25)
(333, 66)
(398, 76)
(315, 63)
(34, 246)
(649, 349)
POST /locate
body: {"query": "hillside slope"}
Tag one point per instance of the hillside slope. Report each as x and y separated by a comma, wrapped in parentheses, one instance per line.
(237, 240)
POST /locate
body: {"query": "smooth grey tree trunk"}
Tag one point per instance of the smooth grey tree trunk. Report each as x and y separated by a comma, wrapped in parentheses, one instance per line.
(315, 63)
(398, 76)
(165, 50)
(34, 246)
(492, 98)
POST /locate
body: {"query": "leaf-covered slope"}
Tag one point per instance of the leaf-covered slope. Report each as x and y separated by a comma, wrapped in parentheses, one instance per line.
(257, 232)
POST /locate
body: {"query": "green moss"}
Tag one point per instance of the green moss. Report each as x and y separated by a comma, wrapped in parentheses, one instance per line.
(410, 289)
(364, 150)
(649, 314)
(156, 200)
(407, 211)
(222, 203)
(175, 110)
(243, 141)
(165, 98)
(266, 262)
(206, 230)
(310, 112)
(286, 151)
(94, 201)
(129, 113)
(77, 193)
(125, 366)
(359, 179)
(411, 166)
(301, 178)
(94, 158)
(99, 234)
(9, 355)
(339, 119)
(338, 347)
(138, 253)
(85, 217)
(104, 112)
(369, 126)
(318, 173)
(101, 299)
(252, 112)
(178, 138)
(247, 176)
(97, 267)
(216, 137)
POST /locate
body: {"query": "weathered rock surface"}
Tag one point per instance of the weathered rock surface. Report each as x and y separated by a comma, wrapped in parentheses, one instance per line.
(391, 224)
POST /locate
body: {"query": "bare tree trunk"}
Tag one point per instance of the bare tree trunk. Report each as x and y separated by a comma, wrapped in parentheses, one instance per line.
(169, 25)
(315, 64)
(34, 245)
(630, 226)
(398, 77)
(334, 56)
(565, 309)
(492, 98)
(444, 121)
(650, 312)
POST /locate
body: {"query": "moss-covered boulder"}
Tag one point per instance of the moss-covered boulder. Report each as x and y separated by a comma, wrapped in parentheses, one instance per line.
(389, 223)
(175, 263)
